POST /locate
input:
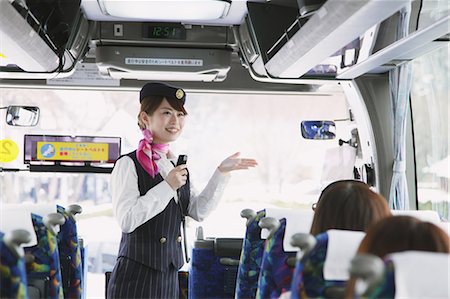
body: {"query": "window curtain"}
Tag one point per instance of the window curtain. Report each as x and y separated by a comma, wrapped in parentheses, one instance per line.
(400, 80)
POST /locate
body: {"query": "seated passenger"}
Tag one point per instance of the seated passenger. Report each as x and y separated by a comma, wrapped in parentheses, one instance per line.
(343, 205)
(349, 205)
(398, 234)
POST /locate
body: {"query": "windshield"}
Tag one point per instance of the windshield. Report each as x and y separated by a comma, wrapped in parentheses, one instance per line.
(266, 127)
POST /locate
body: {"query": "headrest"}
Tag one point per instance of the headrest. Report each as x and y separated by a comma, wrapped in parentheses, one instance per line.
(297, 221)
(421, 274)
(342, 247)
(228, 247)
(427, 215)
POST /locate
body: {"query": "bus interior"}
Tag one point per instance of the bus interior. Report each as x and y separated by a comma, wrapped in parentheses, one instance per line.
(315, 90)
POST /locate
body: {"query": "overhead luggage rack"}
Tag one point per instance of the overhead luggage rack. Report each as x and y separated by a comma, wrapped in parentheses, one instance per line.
(42, 40)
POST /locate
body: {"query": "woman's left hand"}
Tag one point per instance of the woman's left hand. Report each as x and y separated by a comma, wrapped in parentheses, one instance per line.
(233, 162)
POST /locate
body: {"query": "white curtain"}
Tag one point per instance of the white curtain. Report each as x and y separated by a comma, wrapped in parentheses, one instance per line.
(400, 80)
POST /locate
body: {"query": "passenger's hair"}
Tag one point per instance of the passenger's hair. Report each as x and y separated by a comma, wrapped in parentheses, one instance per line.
(149, 104)
(401, 233)
(397, 234)
(349, 205)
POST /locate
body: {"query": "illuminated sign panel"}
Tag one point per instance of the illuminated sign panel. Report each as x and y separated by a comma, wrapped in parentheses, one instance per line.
(71, 151)
(45, 149)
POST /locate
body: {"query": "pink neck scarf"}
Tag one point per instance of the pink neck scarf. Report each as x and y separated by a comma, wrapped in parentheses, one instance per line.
(147, 155)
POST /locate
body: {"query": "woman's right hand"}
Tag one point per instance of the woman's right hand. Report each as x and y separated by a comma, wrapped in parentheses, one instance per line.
(177, 177)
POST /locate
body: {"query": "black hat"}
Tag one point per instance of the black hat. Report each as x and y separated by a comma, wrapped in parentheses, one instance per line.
(161, 89)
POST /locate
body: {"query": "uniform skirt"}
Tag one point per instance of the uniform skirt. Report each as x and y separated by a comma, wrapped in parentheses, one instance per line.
(131, 279)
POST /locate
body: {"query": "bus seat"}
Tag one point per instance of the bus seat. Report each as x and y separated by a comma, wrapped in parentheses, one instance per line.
(297, 221)
(251, 256)
(305, 243)
(70, 249)
(213, 267)
(275, 275)
(323, 271)
(13, 278)
(44, 272)
(183, 283)
(400, 278)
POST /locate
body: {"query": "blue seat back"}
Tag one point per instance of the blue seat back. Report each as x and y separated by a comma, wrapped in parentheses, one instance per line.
(213, 268)
(70, 252)
(309, 280)
(275, 276)
(46, 263)
(13, 279)
(250, 260)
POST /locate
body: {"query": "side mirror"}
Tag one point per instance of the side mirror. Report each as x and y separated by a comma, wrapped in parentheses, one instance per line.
(22, 116)
(318, 129)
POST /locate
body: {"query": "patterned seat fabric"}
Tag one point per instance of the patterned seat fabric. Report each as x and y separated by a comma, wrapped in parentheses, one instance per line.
(308, 280)
(69, 250)
(207, 276)
(275, 277)
(13, 279)
(250, 260)
(46, 258)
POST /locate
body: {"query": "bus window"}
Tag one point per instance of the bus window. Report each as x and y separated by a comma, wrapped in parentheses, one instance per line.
(430, 107)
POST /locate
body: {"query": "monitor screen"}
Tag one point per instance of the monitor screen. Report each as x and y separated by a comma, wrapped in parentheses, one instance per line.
(87, 149)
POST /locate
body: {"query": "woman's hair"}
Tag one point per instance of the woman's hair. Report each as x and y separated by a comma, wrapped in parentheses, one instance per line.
(401, 233)
(149, 104)
(349, 205)
(397, 234)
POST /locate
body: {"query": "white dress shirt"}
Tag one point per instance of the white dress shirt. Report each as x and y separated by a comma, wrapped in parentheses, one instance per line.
(132, 210)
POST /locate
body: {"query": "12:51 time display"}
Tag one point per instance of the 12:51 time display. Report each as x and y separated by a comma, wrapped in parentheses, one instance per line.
(164, 31)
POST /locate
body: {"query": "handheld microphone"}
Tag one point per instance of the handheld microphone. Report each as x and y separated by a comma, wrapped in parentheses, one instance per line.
(182, 159)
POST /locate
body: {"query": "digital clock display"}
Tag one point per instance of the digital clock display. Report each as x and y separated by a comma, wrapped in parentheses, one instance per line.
(164, 31)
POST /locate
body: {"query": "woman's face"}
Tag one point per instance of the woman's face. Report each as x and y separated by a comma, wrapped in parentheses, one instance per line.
(166, 123)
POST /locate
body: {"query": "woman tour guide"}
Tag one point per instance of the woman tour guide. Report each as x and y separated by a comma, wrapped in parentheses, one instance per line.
(151, 196)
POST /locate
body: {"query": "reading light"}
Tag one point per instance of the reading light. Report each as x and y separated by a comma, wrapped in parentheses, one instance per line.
(166, 10)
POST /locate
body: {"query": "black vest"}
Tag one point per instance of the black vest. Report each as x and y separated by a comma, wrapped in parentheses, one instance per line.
(157, 242)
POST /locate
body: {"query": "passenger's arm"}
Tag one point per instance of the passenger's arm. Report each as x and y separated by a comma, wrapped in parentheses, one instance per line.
(131, 209)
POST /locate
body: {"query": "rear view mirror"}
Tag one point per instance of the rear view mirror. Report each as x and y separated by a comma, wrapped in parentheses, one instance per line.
(318, 129)
(22, 116)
